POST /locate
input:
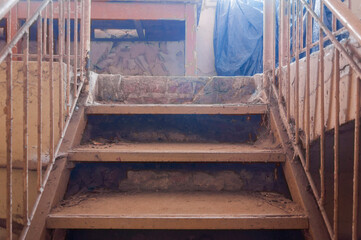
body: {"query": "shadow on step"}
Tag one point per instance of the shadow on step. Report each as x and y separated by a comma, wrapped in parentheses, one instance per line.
(174, 128)
(123, 177)
(185, 234)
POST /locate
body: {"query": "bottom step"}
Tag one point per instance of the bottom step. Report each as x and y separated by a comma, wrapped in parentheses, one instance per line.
(181, 210)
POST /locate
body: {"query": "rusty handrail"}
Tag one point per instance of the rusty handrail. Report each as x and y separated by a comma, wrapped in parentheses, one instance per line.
(6, 6)
(346, 17)
(333, 39)
(17, 48)
(24, 29)
(314, 106)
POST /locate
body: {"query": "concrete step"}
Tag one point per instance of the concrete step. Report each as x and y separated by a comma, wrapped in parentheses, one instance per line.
(178, 210)
(176, 152)
(212, 109)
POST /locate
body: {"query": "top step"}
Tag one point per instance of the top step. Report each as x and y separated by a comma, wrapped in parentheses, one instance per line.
(117, 89)
(212, 109)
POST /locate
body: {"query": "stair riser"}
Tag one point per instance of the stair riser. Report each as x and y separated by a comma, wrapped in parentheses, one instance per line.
(194, 222)
(176, 177)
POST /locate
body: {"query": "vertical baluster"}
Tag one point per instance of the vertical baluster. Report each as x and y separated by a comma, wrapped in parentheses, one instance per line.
(356, 161)
(308, 76)
(75, 47)
(9, 125)
(302, 28)
(68, 59)
(288, 44)
(61, 58)
(87, 30)
(45, 31)
(40, 75)
(280, 49)
(297, 74)
(82, 41)
(336, 141)
(51, 81)
(25, 121)
(322, 115)
(336, 76)
(294, 27)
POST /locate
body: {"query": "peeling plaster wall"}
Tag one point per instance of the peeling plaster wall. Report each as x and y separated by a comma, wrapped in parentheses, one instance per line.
(347, 89)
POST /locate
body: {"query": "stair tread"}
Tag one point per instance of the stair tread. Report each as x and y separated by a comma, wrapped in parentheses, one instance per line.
(178, 210)
(177, 152)
(116, 108)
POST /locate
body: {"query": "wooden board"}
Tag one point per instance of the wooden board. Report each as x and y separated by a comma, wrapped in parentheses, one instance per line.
(183, 210)
(175, 152)
(233, 109)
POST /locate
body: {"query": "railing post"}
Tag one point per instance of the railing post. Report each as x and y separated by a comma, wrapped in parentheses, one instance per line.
(268, 39)
(9, 133)
(87, 30)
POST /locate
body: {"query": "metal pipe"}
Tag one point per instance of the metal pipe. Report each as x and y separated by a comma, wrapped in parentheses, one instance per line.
(336, 43)
(274, 43)
(297, 77)
(87, 28)
(75, 67)
(25, 127)
(356, 162)
(45, 32)
(294, 3)
(335, 33)
(82, 17)
(24, 28)
(9, 125)
(61, 75)
(322, 115)
(288, 94)
(307, 96)
(6, 6)
(68, 60)
(280, 50)
(346, 17)
(302, 28)
(40, 75)
(51, 81)
(336, 142)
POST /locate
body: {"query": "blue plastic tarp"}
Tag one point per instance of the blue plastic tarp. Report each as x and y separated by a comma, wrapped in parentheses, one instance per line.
(238, 37)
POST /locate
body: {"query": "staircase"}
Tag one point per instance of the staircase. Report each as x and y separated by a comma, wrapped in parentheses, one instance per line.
(176, 178)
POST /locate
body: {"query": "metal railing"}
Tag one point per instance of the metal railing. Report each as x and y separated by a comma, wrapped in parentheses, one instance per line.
(70, 56)
(297, 23)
